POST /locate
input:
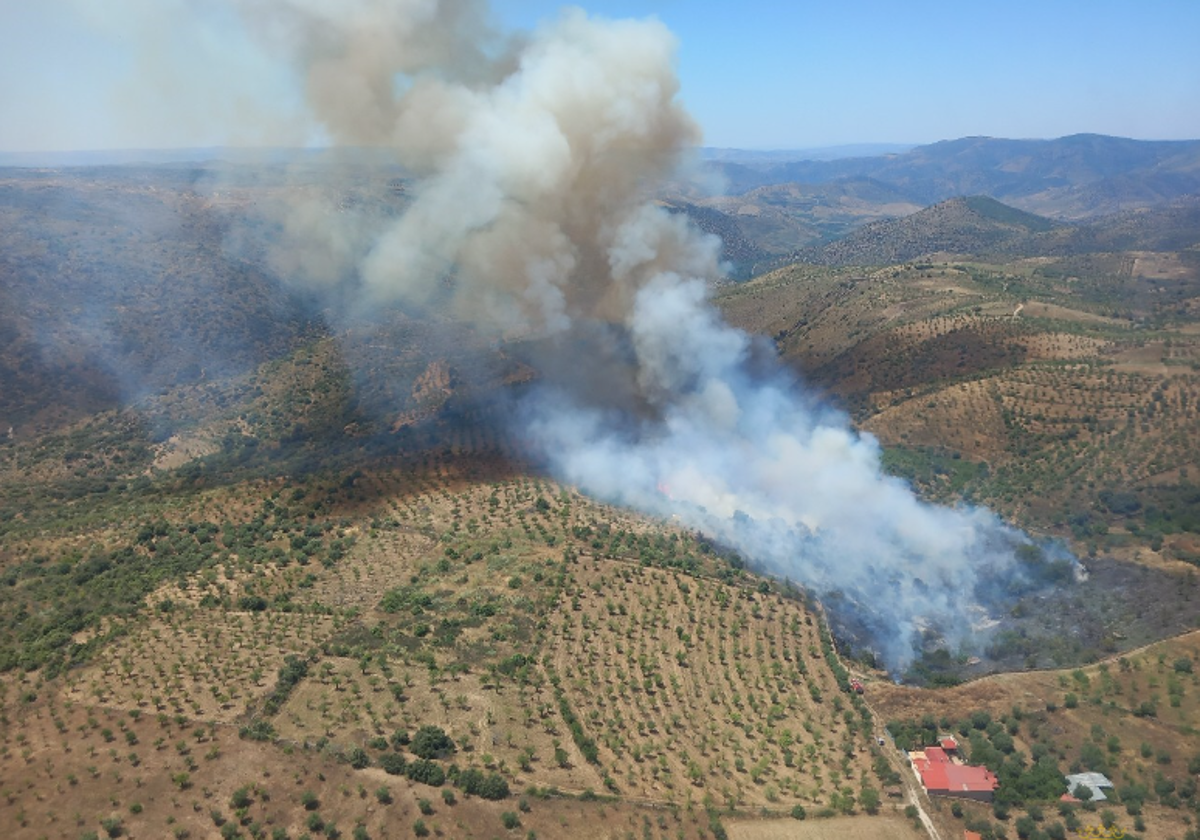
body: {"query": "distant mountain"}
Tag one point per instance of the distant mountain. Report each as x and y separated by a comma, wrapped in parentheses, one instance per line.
(245, 155)
(147, 157)
(972, 225)
(860, 191)
(1076, 177)
(773, 208)
(848, 150)
(1070, 178)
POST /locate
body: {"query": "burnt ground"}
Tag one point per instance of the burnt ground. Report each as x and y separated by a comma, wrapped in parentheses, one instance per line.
(1114, 606)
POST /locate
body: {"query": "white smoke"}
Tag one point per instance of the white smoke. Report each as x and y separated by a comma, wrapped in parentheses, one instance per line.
(538, 155)
(745, 459)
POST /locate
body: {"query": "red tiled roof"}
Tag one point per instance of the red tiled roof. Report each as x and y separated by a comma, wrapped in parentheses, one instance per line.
(972, 835)
(938, 773)
(949, 744)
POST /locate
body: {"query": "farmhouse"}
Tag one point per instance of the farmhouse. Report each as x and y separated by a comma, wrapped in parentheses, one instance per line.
(944, 773)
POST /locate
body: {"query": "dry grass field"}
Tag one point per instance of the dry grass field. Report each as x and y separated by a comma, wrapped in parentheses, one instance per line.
(837, 828)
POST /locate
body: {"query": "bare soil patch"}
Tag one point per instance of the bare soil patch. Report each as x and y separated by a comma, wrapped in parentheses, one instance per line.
(881, 827)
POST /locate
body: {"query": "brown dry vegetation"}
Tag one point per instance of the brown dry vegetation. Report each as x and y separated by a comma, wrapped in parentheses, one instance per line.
(1061, 393)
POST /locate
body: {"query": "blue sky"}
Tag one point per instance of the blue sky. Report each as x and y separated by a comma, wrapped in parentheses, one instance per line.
(755, 74)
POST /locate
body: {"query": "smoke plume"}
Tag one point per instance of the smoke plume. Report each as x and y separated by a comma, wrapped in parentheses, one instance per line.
(537, 155)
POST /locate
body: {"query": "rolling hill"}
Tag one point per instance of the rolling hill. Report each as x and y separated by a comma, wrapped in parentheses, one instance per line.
(766, 224)
(981, 226)
(775, 207)
(971, 225)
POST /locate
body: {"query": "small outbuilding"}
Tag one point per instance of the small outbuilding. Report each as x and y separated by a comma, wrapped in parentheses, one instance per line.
(1094, 782)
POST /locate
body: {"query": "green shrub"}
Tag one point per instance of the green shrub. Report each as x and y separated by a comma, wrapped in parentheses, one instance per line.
(426, 772)
(393, 764)
(431, 742)
(240, 798)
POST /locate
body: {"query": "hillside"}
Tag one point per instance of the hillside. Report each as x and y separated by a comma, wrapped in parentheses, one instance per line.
(738, 249)
(282, 551)
(1170, 227)
(973, 225)
(235, 631)
(1061, 392)
(102, 273)
(765, 225)
(980, 226)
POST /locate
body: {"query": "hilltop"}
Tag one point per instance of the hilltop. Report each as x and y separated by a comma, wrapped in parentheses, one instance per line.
(978, 226)
(971, 225)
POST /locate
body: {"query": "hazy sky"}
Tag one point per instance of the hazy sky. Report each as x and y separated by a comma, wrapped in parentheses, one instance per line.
(88, 74)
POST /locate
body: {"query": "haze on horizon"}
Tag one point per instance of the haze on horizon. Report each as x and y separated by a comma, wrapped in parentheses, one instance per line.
(86, 74)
